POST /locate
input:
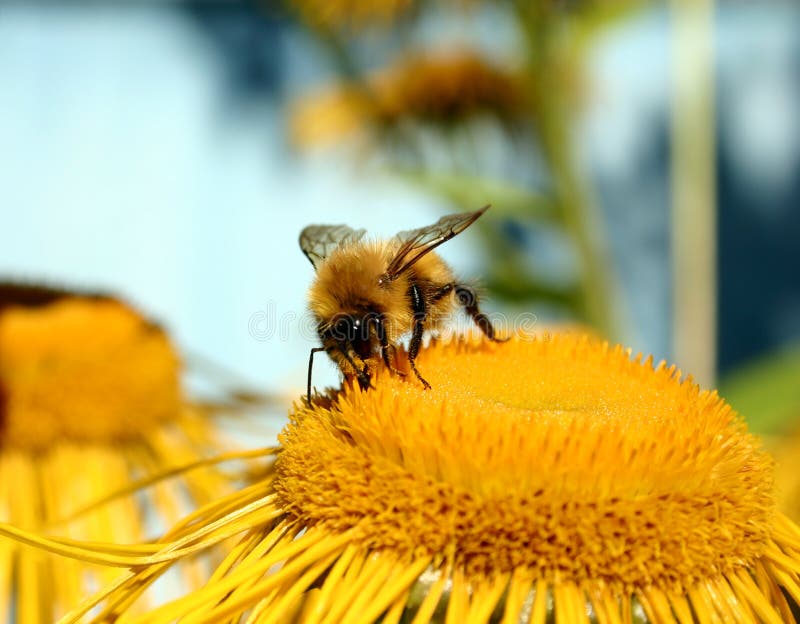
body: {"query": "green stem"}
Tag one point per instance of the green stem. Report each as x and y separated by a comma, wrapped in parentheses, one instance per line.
(579, 219)
(552, 119)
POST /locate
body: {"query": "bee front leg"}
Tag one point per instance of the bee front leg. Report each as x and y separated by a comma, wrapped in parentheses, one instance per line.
(469, 300)
(419, 309)
(310, 367)
(362, 375)
(364, 379)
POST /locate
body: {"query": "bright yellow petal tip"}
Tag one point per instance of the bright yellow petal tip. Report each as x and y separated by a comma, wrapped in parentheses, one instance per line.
(538, 477)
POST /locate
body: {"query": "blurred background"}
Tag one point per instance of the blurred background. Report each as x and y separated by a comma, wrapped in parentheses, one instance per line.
(642, 159)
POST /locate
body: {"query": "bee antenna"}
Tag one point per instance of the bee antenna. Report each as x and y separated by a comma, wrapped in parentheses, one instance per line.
(310, 367)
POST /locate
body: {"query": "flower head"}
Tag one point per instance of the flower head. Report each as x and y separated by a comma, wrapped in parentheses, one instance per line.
(354, 13)
(435, 88)
(555, 473)
(82, 368)
(90, 402)
(549, 439)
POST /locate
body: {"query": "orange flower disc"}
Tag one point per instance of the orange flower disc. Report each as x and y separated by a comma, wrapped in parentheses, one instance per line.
(562, 456)
(81, 368)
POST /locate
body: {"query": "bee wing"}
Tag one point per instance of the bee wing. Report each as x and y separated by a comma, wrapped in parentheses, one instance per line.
(416, 243)
(318, 241)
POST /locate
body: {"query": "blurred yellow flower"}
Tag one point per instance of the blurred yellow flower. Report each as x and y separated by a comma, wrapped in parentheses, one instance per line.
(83, 369)
(90, 400)
(539, 476)
(354, 13)
(436, 88)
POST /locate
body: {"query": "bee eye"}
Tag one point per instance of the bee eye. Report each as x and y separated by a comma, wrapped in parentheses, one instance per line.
(345, 329)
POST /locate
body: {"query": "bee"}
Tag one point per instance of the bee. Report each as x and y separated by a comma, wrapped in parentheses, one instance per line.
(366, 295)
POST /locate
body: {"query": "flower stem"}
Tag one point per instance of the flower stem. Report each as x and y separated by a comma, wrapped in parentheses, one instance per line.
(548, 58)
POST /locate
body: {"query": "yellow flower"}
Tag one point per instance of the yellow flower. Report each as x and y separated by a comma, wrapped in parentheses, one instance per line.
(83, 369)
(435, 88)
(354, 13)
(90, 400)
(538, 476)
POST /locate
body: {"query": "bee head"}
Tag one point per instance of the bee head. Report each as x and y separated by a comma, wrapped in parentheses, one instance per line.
(350, 331)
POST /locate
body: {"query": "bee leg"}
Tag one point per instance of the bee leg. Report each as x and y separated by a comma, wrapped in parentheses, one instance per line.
(391, 348)
(442, 292)
(310, 367)
(418, 307)
(364, 379)
(385, 351)
(469, 300)
(386, 348)
(362, 375)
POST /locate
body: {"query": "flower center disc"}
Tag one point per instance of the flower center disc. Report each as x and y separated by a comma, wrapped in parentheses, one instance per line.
(81, 368)
(559, 455)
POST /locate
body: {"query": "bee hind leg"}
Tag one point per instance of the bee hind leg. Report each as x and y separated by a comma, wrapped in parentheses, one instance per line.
(419, 308)
(468, 299)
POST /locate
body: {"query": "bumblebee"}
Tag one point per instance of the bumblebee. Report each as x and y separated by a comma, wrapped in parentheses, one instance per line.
(366, 295)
